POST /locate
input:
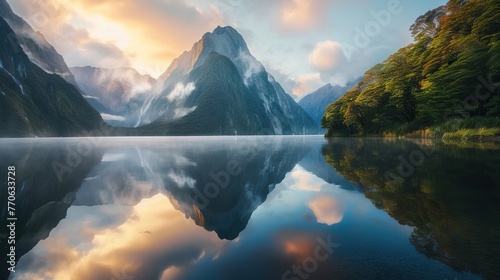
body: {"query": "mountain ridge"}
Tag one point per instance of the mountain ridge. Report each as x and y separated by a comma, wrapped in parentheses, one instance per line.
(34, 102)
(281, 113)
(315, 103)
(34, 44)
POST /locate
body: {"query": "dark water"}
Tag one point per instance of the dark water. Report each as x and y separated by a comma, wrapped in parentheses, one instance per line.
(253, 208)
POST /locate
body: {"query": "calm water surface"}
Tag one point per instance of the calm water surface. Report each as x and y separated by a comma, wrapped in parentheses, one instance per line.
(253, 208)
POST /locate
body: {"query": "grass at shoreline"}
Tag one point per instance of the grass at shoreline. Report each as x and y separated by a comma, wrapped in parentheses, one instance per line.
(468, 129)
(479, 129)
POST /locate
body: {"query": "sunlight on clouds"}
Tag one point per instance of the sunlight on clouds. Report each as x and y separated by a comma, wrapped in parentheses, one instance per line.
(298, 246)
(327, 209)
(327, 56)
(299, 15)
(149, 34)
(306, 84)
(152, 237)
(306, 181)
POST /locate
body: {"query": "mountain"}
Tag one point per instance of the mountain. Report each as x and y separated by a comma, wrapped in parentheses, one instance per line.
(117, 94)
(219, 88)
(183, 170)
(315, 103)
(34, 102)
(39, 51)
(44, 198)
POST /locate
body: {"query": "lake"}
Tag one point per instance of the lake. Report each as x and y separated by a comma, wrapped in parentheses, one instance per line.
(252, 208)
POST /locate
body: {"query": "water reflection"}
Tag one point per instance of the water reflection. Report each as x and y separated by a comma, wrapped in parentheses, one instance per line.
(450, 196)
(217, 208)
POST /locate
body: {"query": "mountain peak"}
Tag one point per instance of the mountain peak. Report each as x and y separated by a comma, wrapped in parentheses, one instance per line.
(221, 30)
(224, 38)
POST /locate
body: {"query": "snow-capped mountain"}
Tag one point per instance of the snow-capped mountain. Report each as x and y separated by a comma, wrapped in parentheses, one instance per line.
(34, 44)
(118, 94)
(316, 102)
(218, 87)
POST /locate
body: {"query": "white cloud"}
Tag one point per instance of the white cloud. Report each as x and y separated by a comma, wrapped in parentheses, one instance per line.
(327, 209)
(306, 84)
(339, 63)
(181, 91)
(327, 57)
(134, 84)
(252, 66)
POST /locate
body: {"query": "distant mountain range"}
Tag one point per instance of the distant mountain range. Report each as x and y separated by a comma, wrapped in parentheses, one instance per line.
(216, 88)
(316, 102)
(118, 94)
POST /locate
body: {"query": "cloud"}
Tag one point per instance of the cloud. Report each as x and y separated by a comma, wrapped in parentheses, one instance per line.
(284, 79)
(117, 86)
(327, 209)
(148, 34)
(340, 63)
(253, 66)
(302, 15)
(181, 91)
(306, 181)
(329, 60)
(307, 83)
(152, 238)
(327, 57)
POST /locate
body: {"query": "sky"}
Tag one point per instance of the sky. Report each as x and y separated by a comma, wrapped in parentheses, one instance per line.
(304, 44)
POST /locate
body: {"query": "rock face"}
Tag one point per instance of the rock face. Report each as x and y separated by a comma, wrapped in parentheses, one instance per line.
(34, 102)
(219, 88)
(117, 94)
(316, 102)
(39, 51)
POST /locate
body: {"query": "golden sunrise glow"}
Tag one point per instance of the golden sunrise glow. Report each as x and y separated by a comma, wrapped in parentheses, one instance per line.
(151, 228)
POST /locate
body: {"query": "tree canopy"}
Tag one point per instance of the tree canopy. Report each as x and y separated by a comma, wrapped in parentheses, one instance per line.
(450, 71)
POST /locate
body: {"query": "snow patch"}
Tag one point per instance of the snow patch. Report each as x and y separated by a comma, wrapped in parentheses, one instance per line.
(181, 112)
(181, 91)
(108, 117)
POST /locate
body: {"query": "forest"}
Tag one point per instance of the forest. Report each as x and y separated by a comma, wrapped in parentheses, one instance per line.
(443, 85)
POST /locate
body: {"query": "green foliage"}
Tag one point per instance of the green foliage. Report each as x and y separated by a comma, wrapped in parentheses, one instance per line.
(450, 71)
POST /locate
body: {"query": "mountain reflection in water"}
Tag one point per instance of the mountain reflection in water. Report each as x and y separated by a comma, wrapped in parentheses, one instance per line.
(252, 208)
